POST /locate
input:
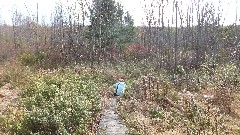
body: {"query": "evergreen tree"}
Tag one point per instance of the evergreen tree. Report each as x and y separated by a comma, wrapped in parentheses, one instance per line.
(109, 24)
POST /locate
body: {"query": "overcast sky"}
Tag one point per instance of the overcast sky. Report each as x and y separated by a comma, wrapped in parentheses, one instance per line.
(135, 7)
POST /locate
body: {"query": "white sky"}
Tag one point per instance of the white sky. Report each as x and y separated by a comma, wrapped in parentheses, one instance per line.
(135, 7)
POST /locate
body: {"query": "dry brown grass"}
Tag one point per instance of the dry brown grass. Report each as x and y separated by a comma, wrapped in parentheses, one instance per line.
(216, 106)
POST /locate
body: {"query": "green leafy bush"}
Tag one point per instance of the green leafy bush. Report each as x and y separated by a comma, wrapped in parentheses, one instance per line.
(33, 59)
(61, 103)
(156, 113)
(28, 59)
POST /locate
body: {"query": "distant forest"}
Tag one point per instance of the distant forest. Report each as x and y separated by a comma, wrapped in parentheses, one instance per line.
(112, 37)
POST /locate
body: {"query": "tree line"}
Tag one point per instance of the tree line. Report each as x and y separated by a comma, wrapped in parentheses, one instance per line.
(102, 32)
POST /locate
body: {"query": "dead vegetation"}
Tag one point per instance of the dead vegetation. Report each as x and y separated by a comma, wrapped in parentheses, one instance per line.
(7, 96)
(154, 106)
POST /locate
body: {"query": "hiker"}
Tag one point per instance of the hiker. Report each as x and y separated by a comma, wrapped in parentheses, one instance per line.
(119, 87)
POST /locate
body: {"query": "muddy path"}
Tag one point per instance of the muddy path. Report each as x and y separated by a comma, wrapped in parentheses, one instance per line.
(110, 123)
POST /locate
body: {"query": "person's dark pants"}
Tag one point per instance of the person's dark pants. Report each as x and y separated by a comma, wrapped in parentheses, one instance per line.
(115, 94)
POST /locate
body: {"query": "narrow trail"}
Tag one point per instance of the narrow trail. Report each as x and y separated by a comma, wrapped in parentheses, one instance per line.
(110, 123)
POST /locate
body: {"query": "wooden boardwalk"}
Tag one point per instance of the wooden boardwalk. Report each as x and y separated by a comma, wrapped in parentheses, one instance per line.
(110, 123)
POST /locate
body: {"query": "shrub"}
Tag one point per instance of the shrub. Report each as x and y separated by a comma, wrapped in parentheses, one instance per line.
(31, 59)
(6, 52)
(135, 51)
(59, 104)
(28, 59)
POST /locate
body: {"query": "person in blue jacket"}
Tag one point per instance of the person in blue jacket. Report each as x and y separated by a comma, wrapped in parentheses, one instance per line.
(119, 87)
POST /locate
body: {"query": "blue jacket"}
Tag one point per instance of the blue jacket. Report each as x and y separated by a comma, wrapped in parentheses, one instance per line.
(119, 87)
